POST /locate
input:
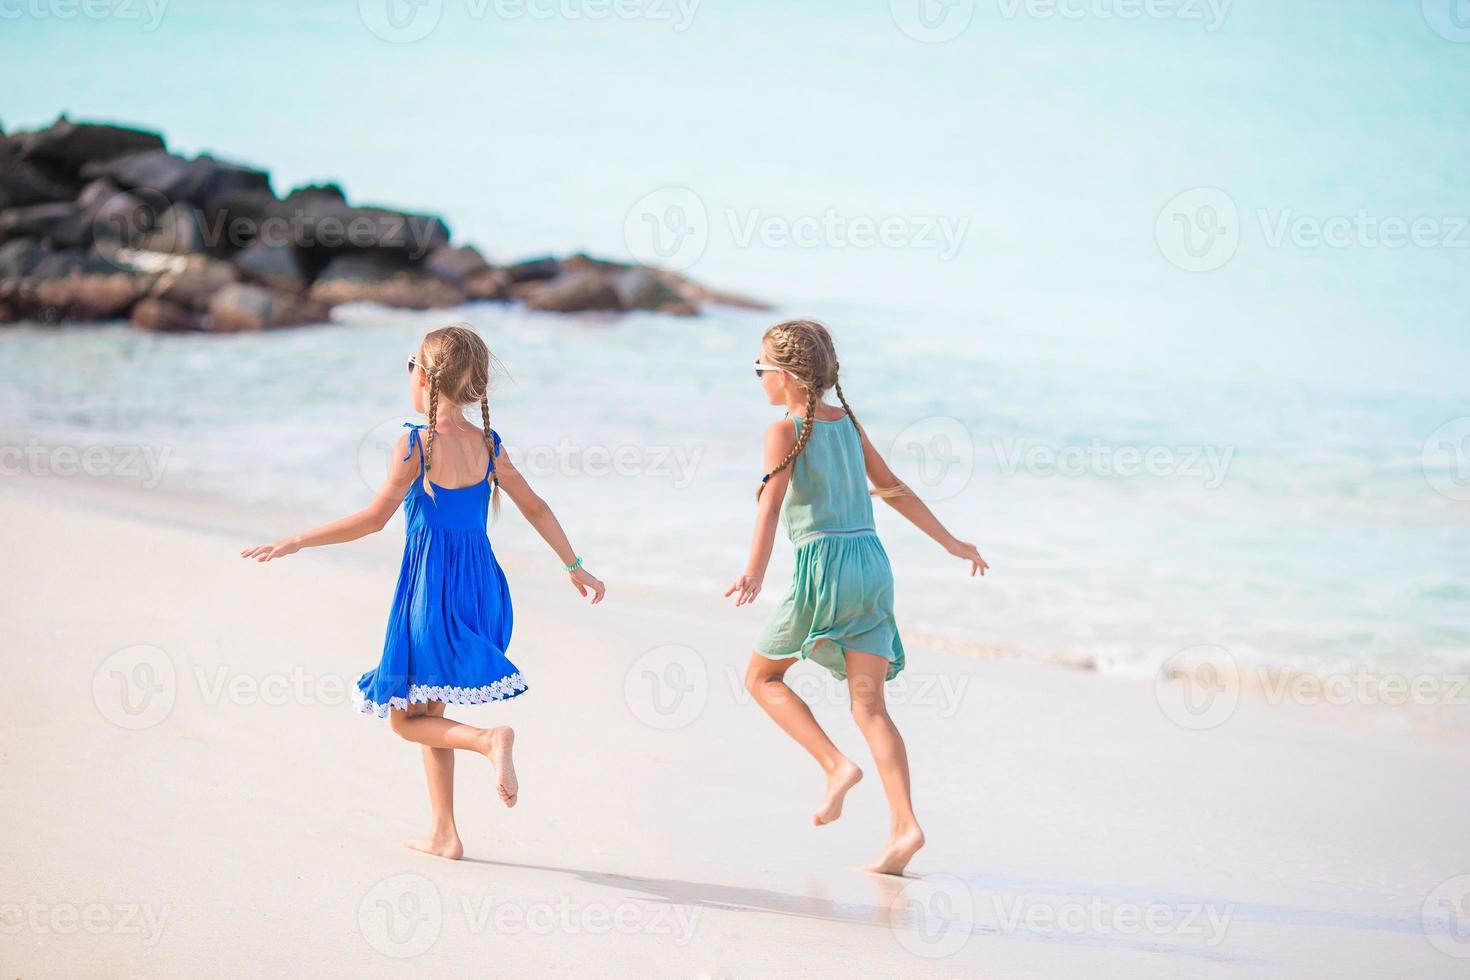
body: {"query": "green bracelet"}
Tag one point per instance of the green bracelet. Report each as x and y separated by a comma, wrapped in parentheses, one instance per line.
(574, 566)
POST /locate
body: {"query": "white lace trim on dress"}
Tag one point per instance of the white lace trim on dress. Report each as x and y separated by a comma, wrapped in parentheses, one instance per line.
(507, 687)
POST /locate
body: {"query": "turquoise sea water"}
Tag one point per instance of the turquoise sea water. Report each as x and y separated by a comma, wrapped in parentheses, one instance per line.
(1044, 299)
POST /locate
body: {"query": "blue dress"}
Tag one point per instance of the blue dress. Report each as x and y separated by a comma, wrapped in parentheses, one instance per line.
(451, 617)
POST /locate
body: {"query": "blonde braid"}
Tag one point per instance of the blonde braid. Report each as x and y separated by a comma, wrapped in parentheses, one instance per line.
(490, 445)
(433, 421)
(801, 439)
(843, 398)
(898, 490)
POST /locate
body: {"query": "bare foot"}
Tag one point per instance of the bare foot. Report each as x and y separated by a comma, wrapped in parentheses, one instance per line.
(899, 852)
(444, 847)
(502, 740)
(839, 781)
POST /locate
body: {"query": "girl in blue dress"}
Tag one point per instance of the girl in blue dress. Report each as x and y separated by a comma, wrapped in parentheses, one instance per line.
(450, 623)
(838, 611)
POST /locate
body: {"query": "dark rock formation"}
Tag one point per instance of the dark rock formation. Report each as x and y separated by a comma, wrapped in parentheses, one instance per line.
(192, 283)
(273, 264)
(65, 147)
(455, 265)
(20, 257)
(200, 181)
(533, 270)
(72, 297)
(38, 221)
(246, 307)
(165, 317)
(374, 279)
(22, 184)
(573, 292)
(103, 222)
(177, 231)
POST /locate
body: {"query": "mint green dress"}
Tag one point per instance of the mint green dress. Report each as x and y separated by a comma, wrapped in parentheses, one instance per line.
(841, 595)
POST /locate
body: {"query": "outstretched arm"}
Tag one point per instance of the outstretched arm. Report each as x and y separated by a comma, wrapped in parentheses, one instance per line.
(538, 513)
(902, 499)
(371, 519)
(780, 438)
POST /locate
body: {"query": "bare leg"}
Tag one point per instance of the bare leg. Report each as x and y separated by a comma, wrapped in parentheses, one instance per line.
(442, 840)
(439, 732)
(865, 673)
(765, 680)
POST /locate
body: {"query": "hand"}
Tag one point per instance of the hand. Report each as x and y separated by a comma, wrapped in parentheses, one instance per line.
(269, 552)
(582, 580)
(749, 586)
(968, 552)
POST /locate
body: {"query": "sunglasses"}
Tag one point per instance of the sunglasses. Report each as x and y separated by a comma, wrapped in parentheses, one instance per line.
(761, 369)
(413, 363)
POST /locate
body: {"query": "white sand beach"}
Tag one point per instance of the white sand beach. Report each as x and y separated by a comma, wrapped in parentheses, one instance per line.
(187, 784)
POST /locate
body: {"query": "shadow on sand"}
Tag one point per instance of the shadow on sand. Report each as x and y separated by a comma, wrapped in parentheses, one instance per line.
(892, 907)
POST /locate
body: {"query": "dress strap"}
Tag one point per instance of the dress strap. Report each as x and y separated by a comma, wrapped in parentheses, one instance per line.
(414, 440)
(490, 463)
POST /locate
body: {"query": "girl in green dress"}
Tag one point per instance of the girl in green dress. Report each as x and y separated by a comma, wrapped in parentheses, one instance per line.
(839, 609)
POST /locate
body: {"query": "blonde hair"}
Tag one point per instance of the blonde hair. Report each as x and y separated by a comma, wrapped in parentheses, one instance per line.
(804, 350)
(457, 363)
